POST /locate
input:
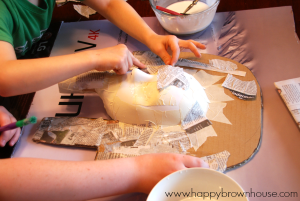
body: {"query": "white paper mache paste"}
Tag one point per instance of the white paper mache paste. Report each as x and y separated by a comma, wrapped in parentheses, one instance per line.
(134, 98)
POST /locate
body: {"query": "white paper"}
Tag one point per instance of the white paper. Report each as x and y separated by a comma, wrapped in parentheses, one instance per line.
(289, 90)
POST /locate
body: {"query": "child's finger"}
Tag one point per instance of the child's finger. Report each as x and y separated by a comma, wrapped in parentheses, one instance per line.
(137, 62)
(175, 50)
(5, 119)
(190, 161)
(15, 137)
(6, 136)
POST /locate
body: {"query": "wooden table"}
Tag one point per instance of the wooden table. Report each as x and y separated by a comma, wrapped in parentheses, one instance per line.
(19, 105)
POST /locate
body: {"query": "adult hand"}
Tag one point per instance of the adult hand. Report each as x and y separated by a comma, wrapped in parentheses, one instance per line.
(153, 167)
(159, 44)
(10, 135)
(117, 58)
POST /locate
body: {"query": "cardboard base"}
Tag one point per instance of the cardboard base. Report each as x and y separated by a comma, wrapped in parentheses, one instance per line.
(242, 138)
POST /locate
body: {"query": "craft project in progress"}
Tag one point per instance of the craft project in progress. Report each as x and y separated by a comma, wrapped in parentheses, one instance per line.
(166, 109)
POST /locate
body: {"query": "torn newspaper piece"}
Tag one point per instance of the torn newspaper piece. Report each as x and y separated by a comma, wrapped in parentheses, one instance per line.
(198, 138)
(223, 65)
(144, 137)
(195, 120)
(242, 89)
(71, 131)
(166, 75)
(289, 91)
(171, 136)
(132, 132)
(85, 81)
(151, 59)
(84, 10)
(217, 161)
(148, 58)
(106, 156)
(204, 66)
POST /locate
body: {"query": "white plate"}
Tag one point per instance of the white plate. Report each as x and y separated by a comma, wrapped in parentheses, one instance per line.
(197, 183)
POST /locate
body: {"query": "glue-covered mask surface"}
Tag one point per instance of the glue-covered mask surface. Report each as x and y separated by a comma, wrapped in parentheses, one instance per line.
(134, 98)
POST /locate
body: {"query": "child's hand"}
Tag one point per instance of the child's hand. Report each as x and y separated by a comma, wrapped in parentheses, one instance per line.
(10, 135)
(117, 58)
(159, 44)
(153, 167)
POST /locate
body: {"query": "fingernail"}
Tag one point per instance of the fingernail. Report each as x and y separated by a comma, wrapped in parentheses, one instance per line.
(167, 62)
(3, 142)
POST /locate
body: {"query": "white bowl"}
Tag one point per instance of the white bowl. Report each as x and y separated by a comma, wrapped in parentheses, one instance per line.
(202, 182)
(184, 24)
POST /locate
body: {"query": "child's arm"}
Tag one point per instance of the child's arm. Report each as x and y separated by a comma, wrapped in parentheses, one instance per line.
(30, 75)
(10, 136)
(39, 179)
(124, 16)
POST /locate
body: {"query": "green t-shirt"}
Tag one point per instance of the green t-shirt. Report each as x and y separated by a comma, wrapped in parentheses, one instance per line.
(22, 23)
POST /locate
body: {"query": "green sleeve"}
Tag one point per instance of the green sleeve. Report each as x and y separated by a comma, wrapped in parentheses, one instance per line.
(6, 24)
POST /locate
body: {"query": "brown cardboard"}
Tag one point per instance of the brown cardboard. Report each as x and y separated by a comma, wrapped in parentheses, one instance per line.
(242, 138)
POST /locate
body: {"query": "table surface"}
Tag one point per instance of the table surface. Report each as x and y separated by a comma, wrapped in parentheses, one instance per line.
(279, 173)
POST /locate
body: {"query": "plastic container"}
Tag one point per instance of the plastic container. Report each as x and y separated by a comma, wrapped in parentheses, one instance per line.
(184, 24)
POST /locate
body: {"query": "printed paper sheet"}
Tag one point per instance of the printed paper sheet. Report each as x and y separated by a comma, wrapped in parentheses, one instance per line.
(289, 91)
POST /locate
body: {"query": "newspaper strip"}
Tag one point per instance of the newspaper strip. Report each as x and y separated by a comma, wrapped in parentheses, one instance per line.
(223, 65)
(106, 156)
(97, 125)
(113, 126)
(88, 138)
(132, 132)
(148, 58)
(242, 96)
(153, 69)
(198, 138)
(167, 74)
(289, 91)
(181, 82)
(44, 126)
(204, 66)
(246, 88)
(156, 137)
(217, 161)
(195, 120)
(190, 63)
(144, 137)
(89, 80)
(179, 140)
(70, 131)
(151, 59)
(109, 138)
